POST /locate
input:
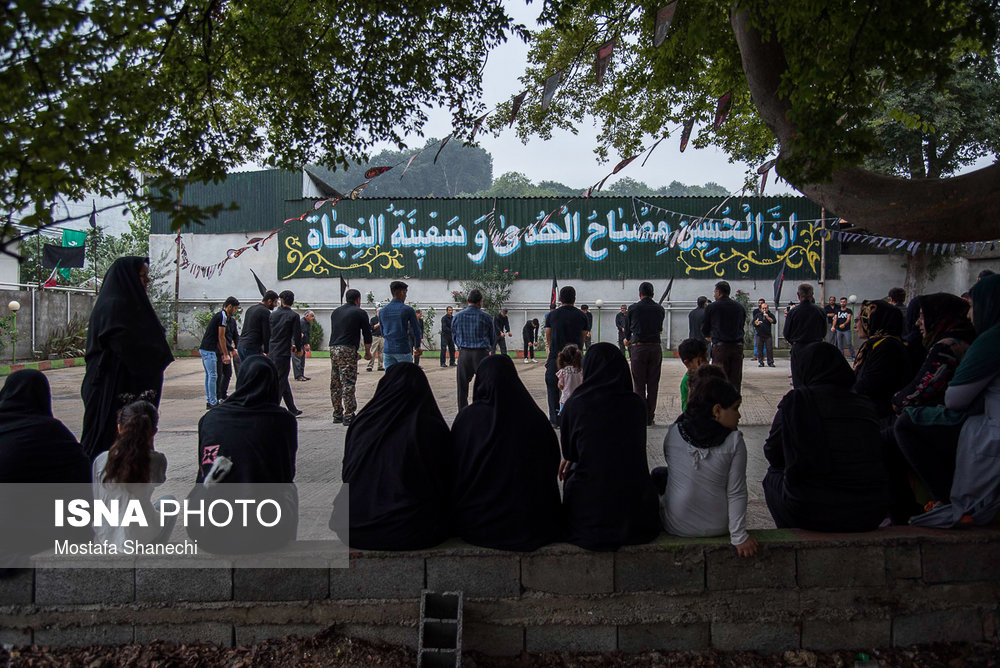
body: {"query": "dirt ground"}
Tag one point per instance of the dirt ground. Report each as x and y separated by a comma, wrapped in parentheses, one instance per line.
(329, 649)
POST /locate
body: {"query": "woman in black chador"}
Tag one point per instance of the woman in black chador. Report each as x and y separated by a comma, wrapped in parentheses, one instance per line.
(127, 352)
(507, 459)
(608, 497)
(398, 467)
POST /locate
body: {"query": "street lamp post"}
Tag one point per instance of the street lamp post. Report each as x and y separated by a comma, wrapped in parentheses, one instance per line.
(14, 307)
(599, 303)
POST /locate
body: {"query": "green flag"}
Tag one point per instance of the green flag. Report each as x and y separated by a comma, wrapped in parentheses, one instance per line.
(72, 239)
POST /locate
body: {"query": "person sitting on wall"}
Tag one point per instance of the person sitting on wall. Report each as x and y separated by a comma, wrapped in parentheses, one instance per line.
(882, 366)
(824, 450)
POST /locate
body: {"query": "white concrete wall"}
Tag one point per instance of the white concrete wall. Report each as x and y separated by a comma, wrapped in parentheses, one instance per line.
(9, 267)
(866, 276)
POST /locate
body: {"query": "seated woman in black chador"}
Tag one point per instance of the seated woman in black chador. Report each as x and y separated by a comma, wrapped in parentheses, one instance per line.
(608, 496)
(35, 448)
(882, 366)
(825, 451)
(398, 467)
(507, 461)
(247, 447)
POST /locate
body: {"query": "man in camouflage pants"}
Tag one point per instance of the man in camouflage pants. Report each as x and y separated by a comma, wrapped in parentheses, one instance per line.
(348, 325)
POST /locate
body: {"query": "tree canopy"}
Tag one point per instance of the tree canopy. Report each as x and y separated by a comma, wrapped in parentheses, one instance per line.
(806, 81)
(98, 93)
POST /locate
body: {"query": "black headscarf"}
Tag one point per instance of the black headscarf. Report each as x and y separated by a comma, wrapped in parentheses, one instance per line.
(127, 352)
(882, 365)
(912, 336)
(35, 448)
(507, 459)
(397, 466)
(696, 425)
(946, 315)
(251, 429)
(608, 496)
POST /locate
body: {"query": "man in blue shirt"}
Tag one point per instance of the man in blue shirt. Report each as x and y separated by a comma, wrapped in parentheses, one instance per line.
(474, 334)
(398, 320)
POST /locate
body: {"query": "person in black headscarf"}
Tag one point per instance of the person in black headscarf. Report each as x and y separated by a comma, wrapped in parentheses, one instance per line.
(825, 451)
(506, 456)
(912, 336)
(608, 497)
(35, 448)
(882, 366)
(398, 469)
(244, 444)
(127, 352)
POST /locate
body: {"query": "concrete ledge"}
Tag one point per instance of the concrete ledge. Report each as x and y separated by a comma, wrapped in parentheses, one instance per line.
(897, 586)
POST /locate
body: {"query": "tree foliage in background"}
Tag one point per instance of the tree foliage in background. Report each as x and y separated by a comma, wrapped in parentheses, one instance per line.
(807, 79)
(495, 284)
(516, 184)
(98, 93)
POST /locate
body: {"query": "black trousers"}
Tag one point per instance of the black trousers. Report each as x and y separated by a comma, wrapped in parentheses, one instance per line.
(529, 349)
(729, 356)
(447, 343)
(501, 342)
(468, 362)
(225, 375)
(646, 362)
(621, 343)
(930, 450)
(774, 494)
(552, 387)
(284, 364)
(767, 348)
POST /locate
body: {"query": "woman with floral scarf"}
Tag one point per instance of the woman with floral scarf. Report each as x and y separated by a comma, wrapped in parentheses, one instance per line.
(881, 367)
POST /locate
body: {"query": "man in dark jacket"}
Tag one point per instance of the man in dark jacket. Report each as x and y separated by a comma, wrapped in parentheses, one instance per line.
(299, 363)
(621, 323)
(502, 324)
(256, 335)
(645, 323)
(226, 371)
(377, 341)
(804, 324)
(286, 341)
(590, 325)
(724, 328)
(447, 343)
(695, 319)
(349, 326)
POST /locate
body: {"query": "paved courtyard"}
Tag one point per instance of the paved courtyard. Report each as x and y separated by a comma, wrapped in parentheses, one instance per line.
(321, 443)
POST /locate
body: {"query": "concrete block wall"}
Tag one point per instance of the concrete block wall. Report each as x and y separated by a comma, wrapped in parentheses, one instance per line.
(897, 586)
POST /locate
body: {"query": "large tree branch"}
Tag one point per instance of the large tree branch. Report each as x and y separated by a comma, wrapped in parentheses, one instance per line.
(953, 209)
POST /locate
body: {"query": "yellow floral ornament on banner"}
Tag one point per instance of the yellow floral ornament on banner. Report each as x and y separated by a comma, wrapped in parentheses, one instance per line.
(314, 263)
(805, 250)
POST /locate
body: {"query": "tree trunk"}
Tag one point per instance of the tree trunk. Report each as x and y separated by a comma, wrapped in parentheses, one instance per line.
(916, 274)
(953, 209)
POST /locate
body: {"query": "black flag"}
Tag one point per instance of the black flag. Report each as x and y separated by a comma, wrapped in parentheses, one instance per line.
(778, 281)
(666, 292)
(93, 215)
(343, 288)
(555, 291)
(63, 257)
(260, 286)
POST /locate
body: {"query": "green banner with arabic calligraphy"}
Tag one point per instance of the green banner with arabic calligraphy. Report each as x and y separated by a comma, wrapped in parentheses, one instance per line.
(596, 238)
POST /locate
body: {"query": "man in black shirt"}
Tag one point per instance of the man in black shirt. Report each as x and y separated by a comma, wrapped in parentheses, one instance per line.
(843, 325)
(830, 311)
(377, 341)
(214, 347)
(502, 324)
(256, 335)
(645, 323)
(724, 328)
(447, 343)
(299, 361)
(286, 340)
(348, 326)
(695, 319)
(226, 371)
(590, 325)
(621, 323)
(563, 326)
(804, 324)
(763, 319)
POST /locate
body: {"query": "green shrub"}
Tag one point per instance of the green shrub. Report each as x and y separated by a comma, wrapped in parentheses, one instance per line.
(67, 341)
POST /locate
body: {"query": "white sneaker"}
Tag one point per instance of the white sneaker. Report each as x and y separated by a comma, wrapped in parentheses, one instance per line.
(526, 360)
(534, 361)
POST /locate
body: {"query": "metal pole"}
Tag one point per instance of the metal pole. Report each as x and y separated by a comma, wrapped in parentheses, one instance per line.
(822, 257)
(177, 285)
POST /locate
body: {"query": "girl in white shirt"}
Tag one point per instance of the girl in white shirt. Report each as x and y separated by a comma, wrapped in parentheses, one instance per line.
(706, 486)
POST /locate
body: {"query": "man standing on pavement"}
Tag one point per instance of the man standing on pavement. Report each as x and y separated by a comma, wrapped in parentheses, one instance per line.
(763, 319)
(645, 323)
(724, 328)
(621, 324)
(447, 342)
(214, 347)
(843, 326)
(565, 325)
(286, 342)
(256, 335)
(398, 320)
(417, 335)
(348, 326)
(590, 325)
(830, 311)
(804, 324)
(502, 324)
(475, 336)
(695, 319)
(299, 362)
(758, 353)
(377, 341)
(226, 371)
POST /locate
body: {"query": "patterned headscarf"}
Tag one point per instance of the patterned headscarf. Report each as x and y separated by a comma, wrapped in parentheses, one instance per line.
(877, 320)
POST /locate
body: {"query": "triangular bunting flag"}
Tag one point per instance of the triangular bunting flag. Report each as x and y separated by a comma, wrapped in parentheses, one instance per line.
(604, 52)
(623, 164)
(686, 133)
(763, 169)
(478, 124)
(372, 172)
(444, 142)
(763, 182)
(408, 163)
(356, 193)
(260, 284)
(651, 151)
(555, 291)
(664, 17)
(515, 106)
(551, 84)
(343, 288)
(722, 108)
(778, 282)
